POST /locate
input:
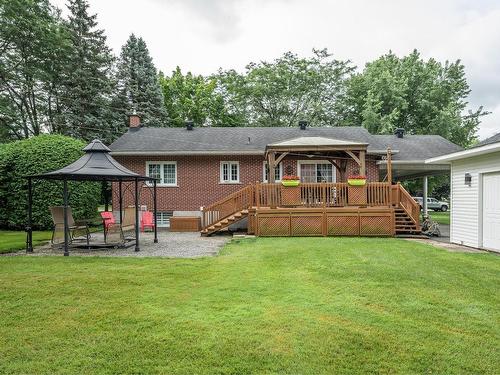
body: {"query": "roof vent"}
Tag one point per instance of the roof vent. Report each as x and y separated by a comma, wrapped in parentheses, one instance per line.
(189, 125)
(399, 132)
(302, 125)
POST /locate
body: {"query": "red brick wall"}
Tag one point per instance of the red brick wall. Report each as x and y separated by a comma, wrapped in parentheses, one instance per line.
(198, 179)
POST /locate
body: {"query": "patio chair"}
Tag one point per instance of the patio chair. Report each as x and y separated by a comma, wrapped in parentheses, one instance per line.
(115, 234)
(74, 227)
(147, 221)
(107, 219)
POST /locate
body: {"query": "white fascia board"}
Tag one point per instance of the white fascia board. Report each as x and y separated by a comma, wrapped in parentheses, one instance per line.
(486, 149)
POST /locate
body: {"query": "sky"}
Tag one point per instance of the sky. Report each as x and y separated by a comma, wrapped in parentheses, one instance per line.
(203, 35)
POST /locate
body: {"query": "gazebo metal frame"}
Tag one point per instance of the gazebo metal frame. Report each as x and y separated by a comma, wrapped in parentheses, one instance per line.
(95, 165)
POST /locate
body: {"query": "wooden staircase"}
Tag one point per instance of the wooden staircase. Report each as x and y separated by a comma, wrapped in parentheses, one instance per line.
(224, 223)
(404, 223)
(227, 211)
(406, 212)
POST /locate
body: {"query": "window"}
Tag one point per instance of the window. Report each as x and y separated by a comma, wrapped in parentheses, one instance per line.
(229, 172)
(316, 171)
(164, 171)
(163, 218)
(278, 172)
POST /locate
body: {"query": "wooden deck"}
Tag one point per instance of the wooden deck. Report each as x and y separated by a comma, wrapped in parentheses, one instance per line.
(323, 209)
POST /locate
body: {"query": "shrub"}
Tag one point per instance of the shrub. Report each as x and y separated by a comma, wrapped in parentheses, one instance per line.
(35, 156)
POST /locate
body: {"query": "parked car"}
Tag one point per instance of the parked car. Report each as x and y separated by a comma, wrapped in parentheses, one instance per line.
(433, 204)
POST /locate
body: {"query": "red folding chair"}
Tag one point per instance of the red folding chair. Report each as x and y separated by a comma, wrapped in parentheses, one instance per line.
(147, 221)
(107, 220)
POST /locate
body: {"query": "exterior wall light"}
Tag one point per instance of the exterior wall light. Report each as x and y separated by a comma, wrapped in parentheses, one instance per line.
(468, 179)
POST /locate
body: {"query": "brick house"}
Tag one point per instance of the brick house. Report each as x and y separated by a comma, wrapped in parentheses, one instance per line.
(197, 166)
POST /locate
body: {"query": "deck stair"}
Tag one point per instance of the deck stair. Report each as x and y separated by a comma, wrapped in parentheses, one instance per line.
(227, 211)
(224, 223)
(404, 223)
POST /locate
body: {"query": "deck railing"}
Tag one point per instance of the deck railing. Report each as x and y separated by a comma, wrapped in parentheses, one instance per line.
(321, 194)
(378, 194)
(400, 197)
(334, 194)
(237, 201)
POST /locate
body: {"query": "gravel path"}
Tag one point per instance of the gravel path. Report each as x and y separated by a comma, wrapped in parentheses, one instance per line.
(170, 244)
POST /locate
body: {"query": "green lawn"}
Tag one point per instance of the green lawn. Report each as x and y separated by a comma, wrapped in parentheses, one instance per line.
(16, 240)
(287, 305)
(440, 217)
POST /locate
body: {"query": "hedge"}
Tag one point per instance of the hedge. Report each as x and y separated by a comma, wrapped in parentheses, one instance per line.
(38, 155)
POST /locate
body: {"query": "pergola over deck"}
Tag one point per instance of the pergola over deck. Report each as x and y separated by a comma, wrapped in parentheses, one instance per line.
(95, 165)
(333, 150)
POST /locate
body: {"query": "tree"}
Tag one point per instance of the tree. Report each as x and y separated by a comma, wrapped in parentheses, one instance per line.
(33, 46)
(138, 84)
(190, 97)
(422, 97)
(286, 90)
(88, 85)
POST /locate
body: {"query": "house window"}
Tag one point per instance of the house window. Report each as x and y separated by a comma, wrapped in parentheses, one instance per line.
(278, 172)
(164, 171)
(316, 171)
(163, 218)
(229, 172)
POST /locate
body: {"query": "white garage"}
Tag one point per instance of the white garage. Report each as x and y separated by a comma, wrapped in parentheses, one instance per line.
(475, 194)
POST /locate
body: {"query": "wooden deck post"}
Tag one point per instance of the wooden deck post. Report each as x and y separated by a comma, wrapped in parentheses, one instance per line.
(362, 163)
(271, 157)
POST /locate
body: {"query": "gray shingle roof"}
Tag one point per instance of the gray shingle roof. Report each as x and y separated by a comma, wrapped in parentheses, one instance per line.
(489, 141)
(255, 139)
(417, 147)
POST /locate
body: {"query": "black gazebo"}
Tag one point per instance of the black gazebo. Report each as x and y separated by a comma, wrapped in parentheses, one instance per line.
(96, 165)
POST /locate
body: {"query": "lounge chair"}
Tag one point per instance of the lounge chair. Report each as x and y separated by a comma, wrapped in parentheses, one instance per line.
(107, 220)
(115, 234)
(147, 221)
(74, 227)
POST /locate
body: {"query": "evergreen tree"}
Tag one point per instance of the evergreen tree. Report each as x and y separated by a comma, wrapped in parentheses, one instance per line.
(138, 85)
(88, 84)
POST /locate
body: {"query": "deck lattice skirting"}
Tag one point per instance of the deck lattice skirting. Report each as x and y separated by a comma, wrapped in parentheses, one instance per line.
(348, 221)
(317, 209)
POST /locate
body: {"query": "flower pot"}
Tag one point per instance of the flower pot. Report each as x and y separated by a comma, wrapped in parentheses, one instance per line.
(356, 181)
(290, 182)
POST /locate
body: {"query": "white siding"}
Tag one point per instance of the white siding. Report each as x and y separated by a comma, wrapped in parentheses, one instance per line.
(466, 200)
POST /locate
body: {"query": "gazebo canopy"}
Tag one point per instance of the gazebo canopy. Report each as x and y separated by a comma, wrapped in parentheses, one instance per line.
(96, 165)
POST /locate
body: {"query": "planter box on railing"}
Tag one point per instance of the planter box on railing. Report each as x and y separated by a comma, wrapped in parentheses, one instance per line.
(290, 183)
(356, 181)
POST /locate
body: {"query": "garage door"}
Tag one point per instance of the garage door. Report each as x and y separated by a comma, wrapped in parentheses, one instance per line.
(491, 211)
